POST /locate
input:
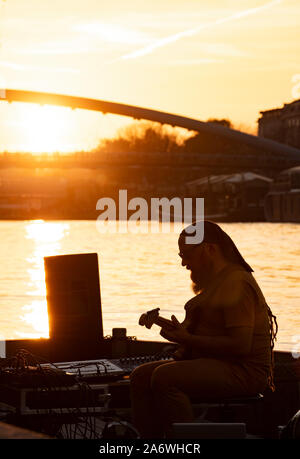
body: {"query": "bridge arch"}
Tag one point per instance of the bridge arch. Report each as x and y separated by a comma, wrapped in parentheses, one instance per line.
(44, 98)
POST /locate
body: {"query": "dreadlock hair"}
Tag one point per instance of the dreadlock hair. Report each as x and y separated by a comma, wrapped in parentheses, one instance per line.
(273, 333)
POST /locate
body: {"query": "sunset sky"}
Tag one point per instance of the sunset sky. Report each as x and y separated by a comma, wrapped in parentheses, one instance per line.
(198, 58)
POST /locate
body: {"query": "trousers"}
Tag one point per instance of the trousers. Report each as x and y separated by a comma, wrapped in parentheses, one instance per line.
(161, 391)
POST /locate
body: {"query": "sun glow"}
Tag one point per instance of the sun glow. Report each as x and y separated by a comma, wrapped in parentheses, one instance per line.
(45, 129)
(46, 237)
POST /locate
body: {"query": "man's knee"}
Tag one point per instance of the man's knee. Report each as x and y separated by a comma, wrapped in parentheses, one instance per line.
(161, 379)
(141, 375)
(137, 375)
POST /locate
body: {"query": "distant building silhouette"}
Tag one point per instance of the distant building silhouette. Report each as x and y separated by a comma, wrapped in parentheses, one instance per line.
(281, 124)
(232, 197)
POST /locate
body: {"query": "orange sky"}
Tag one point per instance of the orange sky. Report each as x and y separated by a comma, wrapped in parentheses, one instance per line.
(217, 58)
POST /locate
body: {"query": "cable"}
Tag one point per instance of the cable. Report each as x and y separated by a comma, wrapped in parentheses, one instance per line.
(52, 393)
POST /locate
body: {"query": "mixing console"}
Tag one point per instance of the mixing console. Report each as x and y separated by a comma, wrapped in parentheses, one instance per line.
(103, 370)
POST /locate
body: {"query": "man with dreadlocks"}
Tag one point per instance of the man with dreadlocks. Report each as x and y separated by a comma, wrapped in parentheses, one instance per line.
(227, 337)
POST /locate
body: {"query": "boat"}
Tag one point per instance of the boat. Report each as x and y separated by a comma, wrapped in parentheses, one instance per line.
(282, 202)
(232, 197)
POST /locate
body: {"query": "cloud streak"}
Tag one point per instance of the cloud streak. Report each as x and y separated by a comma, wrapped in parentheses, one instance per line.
(191, 32)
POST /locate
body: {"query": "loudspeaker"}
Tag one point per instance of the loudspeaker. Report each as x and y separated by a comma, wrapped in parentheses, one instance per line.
(73, 297)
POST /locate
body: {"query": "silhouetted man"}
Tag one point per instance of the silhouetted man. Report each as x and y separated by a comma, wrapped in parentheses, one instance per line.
(227, 339)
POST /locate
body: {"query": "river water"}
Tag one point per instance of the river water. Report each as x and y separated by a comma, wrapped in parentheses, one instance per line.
(139, 272)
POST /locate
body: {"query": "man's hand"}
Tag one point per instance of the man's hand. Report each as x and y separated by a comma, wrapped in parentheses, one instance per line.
(176, 333)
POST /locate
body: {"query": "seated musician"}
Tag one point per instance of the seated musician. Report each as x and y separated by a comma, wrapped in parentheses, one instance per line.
(225, 342)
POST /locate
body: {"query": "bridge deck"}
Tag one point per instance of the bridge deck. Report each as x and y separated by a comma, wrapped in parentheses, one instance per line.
(13, 95)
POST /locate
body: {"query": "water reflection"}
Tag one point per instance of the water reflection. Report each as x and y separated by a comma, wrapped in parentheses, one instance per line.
(46, 237)
(138, 272)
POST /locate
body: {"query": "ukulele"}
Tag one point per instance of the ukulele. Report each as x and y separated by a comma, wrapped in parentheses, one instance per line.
(152, 317)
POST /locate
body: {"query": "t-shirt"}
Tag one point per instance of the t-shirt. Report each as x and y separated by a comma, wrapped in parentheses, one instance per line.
(233, 299)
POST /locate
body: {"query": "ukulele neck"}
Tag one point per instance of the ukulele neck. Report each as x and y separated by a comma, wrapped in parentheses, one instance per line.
(162, 322)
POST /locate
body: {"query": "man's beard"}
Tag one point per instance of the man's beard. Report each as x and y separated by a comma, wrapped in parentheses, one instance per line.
(196, 287)
(199, 281)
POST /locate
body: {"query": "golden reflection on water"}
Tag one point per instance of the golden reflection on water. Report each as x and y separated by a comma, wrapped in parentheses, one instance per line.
(46, 237)
(139, 272)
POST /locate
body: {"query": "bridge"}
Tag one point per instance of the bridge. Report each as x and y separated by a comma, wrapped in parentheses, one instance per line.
(270, 154)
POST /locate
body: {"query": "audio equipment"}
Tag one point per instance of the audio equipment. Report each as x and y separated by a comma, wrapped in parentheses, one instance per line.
(103, 370)
(64, 386)
(73, 297)
(61, 400)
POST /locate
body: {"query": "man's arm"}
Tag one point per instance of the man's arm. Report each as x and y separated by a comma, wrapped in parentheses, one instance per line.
(238, 303)
(236, 342)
